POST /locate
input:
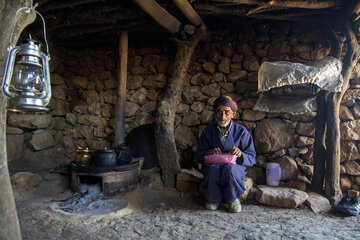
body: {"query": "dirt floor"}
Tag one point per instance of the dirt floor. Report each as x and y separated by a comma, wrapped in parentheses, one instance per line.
(154, 212)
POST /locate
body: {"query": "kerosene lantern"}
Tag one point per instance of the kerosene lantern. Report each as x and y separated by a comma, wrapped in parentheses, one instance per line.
(28, 83)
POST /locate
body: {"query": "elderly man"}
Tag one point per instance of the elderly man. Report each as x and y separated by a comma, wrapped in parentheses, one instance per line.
(225, 182)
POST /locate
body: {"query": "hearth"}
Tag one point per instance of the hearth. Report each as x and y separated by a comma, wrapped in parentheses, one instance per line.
(113, 180)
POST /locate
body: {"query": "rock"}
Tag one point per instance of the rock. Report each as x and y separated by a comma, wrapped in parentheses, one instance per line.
(280, 196)
(81, 108)
(224, 65)
(251, 115)
(182, 108)
(29, 121)
(353, 193)
(293, 152)
(237, 76)
(200, 79)
(251, 63)
(253, 77)
(211, 90)
(257, 174)
(85, 131)
(92, 120)
(188, 180)
(356, 110)
(59, 123)
(139, 96)
(345, 113)
(95, 108)
(309, 155)
(42, 139)
(144, 118)
(184, 137)
(352, 168)
(148, 107)
(150, 60)
(25, 180)
(227, 87)
(350, 97)
(247, 103)
(110, 84)
(219, 77)
(318, 203)
(272, 134)
(289, 169)
(302, 48)
(308, 170)
(133, 82)
(198, 106)
(192, 94)
(57, 79)
(299, 185)
(306, 129)
(350, 130)
(131, 108)
(206, 116)
(108, 96)
(345, 183)
(279, 51)
(304, 141)
(68, 144)
(348, 151)
(209, 67)
(242, 87)
(79, 81)
(279, 153)
(13, 130)
(59, 92)
(59, 107)
(248, 182)
(14, 145)
(191, 119)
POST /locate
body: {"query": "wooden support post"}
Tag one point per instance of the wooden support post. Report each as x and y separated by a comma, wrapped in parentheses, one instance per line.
(121, 90)
(317, 181)
(9, 223)
(165, 115)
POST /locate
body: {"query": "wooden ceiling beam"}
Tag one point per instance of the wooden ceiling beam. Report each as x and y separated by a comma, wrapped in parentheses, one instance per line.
(189, 12)
(287, 3)
(160, 15)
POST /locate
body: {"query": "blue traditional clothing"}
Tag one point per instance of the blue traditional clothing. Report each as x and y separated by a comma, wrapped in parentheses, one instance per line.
(225, 182)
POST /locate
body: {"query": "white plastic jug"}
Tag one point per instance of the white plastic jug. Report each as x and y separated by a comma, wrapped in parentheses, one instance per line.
(273, 174)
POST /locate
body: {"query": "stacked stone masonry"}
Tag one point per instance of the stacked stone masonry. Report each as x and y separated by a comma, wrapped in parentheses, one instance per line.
(84, 86)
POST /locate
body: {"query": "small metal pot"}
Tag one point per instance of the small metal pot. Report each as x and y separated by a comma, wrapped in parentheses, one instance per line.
(82, 156)
(105, 158)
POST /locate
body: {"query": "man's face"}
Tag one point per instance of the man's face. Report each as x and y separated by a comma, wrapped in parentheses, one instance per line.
(223, 115)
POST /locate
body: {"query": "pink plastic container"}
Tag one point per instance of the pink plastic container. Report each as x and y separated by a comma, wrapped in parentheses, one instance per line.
(273, 174)
(220, 159)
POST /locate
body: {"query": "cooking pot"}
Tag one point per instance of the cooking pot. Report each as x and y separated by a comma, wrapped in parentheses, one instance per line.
(105, 158)
(82, 156)
(123, 154)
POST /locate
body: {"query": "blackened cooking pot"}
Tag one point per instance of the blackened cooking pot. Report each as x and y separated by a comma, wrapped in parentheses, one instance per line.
(105, 158)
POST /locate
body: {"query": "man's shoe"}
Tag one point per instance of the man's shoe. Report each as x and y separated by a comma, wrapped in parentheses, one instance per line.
(234, 207)
(349, 205)
(211, 206)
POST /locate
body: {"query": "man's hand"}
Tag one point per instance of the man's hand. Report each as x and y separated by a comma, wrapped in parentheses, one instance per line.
(214, 151)
(236, 151)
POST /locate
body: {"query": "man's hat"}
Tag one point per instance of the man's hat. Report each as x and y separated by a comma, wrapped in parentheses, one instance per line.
(225, 101)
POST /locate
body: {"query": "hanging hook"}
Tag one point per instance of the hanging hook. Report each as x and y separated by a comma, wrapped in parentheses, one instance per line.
(28, 9)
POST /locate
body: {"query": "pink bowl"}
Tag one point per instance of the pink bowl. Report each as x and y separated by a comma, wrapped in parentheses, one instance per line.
(220, 159)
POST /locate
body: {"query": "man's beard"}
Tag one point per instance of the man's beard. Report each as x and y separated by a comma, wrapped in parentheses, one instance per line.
(223, 123)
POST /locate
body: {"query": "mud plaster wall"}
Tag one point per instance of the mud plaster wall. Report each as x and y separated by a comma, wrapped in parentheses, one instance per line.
(84, 93)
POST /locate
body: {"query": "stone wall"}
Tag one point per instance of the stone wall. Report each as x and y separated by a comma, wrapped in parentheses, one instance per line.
(84, 93)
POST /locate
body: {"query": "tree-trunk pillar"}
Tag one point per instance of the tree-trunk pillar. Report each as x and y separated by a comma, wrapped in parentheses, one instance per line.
(121, 90)
(165, 115)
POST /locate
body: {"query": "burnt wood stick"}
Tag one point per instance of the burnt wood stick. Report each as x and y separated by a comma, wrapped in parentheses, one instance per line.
(320, 147)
